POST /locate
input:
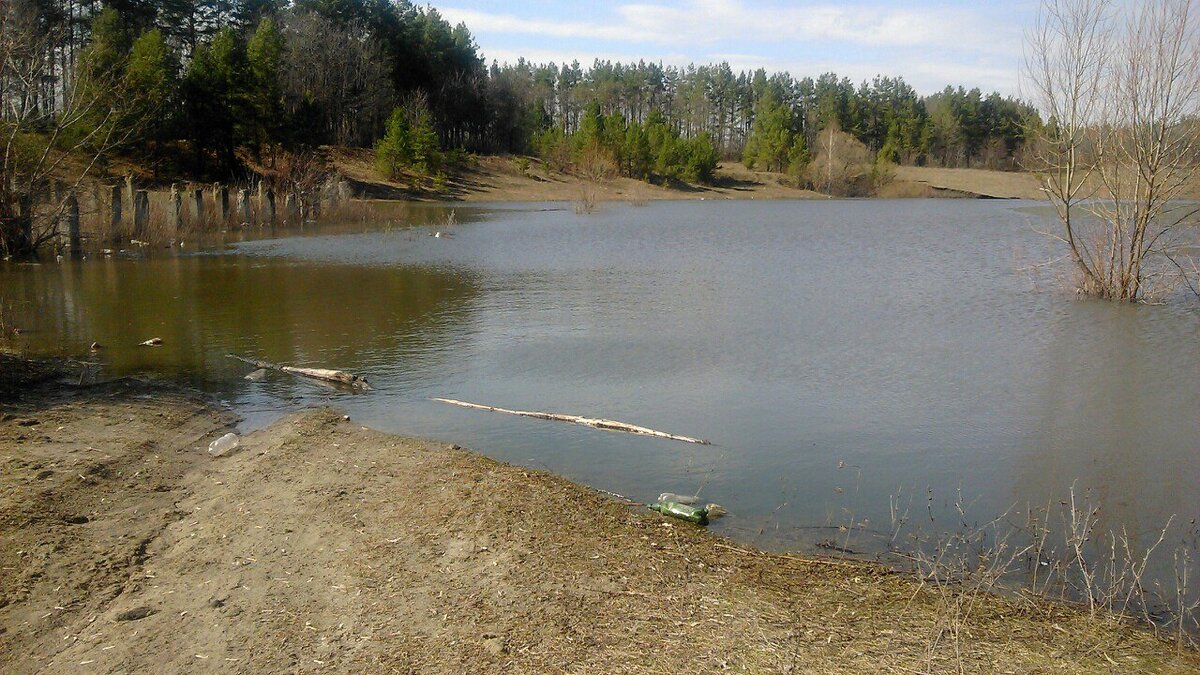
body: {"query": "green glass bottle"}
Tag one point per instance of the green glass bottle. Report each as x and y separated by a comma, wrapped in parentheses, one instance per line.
(692, 514)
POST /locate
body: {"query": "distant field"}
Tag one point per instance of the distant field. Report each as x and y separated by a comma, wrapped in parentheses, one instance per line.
(1004, 184)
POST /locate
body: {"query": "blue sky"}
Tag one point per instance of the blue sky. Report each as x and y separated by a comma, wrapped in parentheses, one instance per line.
(931, 44)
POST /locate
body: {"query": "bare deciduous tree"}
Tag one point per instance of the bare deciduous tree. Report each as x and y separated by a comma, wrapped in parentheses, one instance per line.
(841, 164)
(1121, 93)
(348, 77)
(46, 141)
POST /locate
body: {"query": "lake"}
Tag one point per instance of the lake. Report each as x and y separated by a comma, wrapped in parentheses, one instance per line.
(849, 360)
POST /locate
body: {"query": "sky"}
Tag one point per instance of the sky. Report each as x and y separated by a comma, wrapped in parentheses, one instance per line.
(973, 43)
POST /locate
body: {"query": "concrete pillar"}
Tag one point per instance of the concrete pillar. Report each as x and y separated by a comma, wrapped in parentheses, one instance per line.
(175, 209)
(115, 198)
(141, 212)
(267, 211)
(221, 198)
(130, 195)
(72, 216)
(291, 211)
(244, 207)
(197, 198)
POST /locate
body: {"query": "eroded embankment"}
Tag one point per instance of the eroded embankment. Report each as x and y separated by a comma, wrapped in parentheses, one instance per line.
(325, 546)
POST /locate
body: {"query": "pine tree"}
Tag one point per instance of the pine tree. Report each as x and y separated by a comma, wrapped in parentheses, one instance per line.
(152, 79)
(394, 150)
(264, 54)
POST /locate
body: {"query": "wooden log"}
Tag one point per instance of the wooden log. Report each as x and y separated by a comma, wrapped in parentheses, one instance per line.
(336, 376)
(595, 423)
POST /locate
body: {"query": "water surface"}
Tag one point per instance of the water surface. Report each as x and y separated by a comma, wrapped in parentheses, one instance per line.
(842, 356)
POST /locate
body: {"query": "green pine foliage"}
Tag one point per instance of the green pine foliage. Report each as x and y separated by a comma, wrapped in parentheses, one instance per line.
(606, 145)
(409, 144)
(224, 79)
(393, 152)
(264, 55)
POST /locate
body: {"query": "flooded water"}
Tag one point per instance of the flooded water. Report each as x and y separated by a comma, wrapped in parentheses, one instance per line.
(843, 356)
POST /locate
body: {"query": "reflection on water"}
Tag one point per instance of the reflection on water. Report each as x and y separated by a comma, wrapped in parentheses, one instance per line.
(836, 352)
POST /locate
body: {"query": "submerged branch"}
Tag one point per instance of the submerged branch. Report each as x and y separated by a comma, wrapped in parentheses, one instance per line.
(595, 423)
(336, 376)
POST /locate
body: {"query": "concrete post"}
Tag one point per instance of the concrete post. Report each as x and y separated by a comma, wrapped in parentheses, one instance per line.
(115, 223)
(197, 199)
(141, 212)
(244, 207)
(221, 197)
(72, 216)
(290, 210)
(130, 195)
(268, 207)
(175, 209)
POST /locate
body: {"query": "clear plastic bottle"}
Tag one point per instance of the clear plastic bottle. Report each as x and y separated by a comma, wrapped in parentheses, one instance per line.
(223, 445)
(690, 500)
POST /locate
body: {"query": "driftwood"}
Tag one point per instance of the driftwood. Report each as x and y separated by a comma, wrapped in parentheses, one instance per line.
(335, 376)
(607, 425)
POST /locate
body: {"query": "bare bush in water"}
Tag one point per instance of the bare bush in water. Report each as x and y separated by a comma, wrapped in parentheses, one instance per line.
(588, 201)
(1054, 554)
(1121, 91)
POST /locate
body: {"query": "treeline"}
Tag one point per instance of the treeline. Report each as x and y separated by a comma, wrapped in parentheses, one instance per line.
(953, 128)
(207, 79)
(210, 80)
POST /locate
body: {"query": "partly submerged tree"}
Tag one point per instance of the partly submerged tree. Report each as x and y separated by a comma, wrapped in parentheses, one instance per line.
(1121, 90)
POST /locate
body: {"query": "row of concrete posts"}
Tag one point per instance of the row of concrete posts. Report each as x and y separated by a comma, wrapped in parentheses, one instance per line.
(129, 208)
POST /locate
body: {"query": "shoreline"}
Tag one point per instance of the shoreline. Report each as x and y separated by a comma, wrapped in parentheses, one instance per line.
(321, 545)
(497, 178)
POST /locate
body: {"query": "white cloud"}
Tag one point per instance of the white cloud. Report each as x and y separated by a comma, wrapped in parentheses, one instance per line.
(929, 47)
(709, 22)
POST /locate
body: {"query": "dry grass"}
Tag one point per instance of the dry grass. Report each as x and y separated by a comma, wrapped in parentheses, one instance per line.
(587, 200)
(1002, 184)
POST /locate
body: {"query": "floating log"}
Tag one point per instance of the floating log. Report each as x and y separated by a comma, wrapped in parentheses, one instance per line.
(595, 423)
(336, 376)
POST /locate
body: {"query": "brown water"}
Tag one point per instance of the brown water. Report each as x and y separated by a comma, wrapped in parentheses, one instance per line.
(895, 340)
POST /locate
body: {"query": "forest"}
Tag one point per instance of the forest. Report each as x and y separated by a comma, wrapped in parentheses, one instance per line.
(209, 88)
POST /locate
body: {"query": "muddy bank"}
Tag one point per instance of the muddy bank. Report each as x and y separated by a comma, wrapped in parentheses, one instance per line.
(323, 546)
